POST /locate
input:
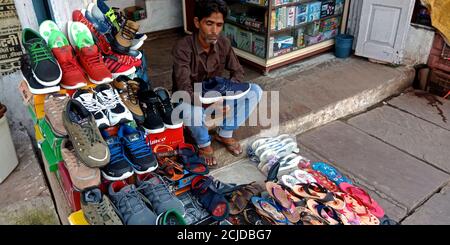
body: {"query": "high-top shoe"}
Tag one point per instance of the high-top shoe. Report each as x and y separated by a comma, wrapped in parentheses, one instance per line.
(165, 109)
(128, 90)
(123, 40)
(44, 66)
(149, 104)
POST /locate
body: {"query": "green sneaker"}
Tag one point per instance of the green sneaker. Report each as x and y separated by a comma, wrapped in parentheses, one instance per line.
(44, 66)
(79, 35)
(52, 35)
(98, 209)
(170, 217)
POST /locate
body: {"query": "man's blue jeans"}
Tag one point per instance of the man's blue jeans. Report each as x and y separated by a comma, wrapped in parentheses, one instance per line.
(240, 110)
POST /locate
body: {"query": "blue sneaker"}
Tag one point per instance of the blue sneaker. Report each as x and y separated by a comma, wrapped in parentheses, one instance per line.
(98, 15)
(101, 27)
(218, 88)
(136, 149)
(119, 167)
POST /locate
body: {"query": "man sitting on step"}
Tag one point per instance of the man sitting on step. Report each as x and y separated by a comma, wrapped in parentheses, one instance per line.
(202, 56)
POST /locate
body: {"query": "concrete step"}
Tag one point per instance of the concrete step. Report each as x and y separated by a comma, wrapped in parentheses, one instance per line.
(311, 96)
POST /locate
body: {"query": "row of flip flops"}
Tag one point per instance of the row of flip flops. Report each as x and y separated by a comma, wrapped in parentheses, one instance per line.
(319, 195)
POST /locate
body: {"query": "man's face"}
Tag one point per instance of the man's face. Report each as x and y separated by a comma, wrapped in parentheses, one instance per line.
(210, 27)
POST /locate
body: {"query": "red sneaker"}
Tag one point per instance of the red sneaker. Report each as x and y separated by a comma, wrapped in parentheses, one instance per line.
(73, 76)
(91, 60)
(100, 39)
(127, 59)
(117, 68)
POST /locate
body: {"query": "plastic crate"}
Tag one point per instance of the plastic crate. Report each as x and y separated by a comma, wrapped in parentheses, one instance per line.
(72, 195)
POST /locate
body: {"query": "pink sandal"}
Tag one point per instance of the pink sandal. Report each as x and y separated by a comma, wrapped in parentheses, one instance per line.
(364, 198)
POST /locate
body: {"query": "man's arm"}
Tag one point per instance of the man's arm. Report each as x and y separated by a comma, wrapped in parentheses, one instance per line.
(182, 70)
(233, 65)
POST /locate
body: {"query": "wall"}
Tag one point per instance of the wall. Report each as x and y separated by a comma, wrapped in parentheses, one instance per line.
(418, 45)
(157, 20)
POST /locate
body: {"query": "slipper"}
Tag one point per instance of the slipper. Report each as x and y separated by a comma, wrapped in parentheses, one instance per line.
(325, 212)
(191, 161)
(261, 141)
(330, 172)
(290, 161)
(232, 145)
(162, 151)
(289, 181)
(269, 209)
(242, 196)
(253, 218)
(364, 197)
(365, 216)
(303, 177)
(291, 214)
(323, 180)
(280, 150)
(278, 194)
(307, 217)
(313, 191)
(338, 203)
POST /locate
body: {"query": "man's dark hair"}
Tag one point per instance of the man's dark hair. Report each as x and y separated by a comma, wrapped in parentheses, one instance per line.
(204, 8)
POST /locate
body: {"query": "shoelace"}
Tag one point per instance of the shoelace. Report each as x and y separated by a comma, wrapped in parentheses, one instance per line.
(92, 105)
(139, 148)
(167, 106)
(109, 98)
(115, 150)
(91, 136)
(125, 59)
(132, 89)
(161, 189)
(39, 52)
(102, 209)
(128, 32)
(70, 65)
(95, 61)
(127, 197)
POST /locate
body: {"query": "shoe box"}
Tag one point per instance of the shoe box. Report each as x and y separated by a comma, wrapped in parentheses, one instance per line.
(50, 145)
(170, 137)
(72, 195)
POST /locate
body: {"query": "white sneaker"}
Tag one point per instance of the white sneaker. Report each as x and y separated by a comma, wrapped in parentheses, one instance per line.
(88, 100)
(116, 111)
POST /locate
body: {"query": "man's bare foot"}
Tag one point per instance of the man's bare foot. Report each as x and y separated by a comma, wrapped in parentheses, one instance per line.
(208, 154)
(232, 145)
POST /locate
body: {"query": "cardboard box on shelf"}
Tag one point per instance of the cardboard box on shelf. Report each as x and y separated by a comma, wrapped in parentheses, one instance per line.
(245, 40)
(301, 14)
(327, 8)
(259, 46)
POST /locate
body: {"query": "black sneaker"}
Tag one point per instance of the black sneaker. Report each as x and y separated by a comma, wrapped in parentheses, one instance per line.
(149, 104)
(119, 167)
(33, 85)
(165, 109)
(44, 66)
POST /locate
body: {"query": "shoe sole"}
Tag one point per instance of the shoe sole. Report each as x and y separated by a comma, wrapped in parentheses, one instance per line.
(125, 73)
(137, 45)
(229, 97)
(155, 131)
(175, 126)
(103, 81)
(79, 85)
(124, 176)
(47, 90)
(146, 171)
(56, 132)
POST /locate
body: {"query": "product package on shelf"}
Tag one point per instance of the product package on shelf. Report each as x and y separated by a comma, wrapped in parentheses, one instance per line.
(300, 40)
(329, 24)
(339, 6)
(244, 40)
(72, 195)
(313, 28)
(170, 137)
(310, 40)
(327, 8)
(259, 46)
(329, 34)
(301, 14)
(314, 11)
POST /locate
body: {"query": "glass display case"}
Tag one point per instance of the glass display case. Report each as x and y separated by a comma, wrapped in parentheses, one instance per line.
(272, 33)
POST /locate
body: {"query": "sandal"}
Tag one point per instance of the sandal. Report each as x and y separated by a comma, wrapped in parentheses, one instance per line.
(231, 144)
(164, 151)
(323, 180)
(171, 169)
(242, 196)
(364, 197)
(307, 217)
(191, 161)
(365, 216)
(253, 218)
(214, 202)
(331, 173)
(270, 210)
(325, 212)
(313, 191)
(278, 194)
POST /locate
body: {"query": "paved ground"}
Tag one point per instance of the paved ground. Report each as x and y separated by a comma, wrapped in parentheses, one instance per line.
(398, 151)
